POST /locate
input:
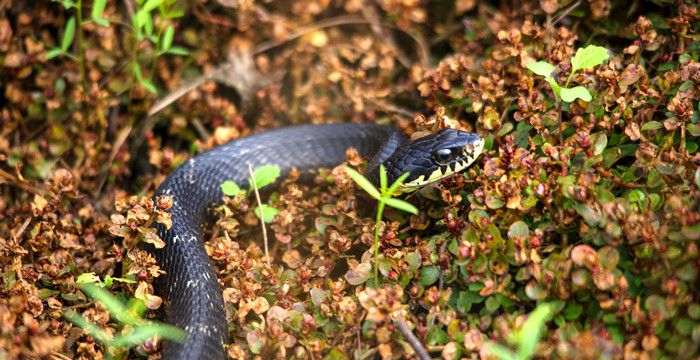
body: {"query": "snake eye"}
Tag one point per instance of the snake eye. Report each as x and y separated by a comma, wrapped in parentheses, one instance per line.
(444, 156)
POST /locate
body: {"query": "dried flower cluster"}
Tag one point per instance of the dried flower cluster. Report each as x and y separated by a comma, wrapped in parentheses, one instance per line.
(591, 206)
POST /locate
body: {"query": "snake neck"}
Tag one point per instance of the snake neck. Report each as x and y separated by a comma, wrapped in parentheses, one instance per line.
(393, 142)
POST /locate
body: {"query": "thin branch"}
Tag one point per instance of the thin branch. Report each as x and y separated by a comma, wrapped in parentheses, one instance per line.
(262, 214)
(370, 13)
(12, 180)
(121, 139)
(565, 12)
(221, 70)
(413, 340)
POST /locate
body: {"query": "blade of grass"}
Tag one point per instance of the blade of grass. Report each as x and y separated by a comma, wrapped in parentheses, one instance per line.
(113, 305)
(401, 205)
(362, 181)
(397, 183)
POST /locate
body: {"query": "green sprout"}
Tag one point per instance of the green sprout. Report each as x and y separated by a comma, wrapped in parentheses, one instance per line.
(142, 26)
(527, 338)
(263, 175)
(92, 278)
(135, 329)
(384, 196)
(585, 58)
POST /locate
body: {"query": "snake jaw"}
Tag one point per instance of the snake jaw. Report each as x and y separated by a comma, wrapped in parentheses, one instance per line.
(464, 148)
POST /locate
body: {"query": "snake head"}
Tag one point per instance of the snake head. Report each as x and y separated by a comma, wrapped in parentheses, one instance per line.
(433, 157)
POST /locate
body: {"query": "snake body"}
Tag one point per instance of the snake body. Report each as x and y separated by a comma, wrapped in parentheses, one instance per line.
(192, 294)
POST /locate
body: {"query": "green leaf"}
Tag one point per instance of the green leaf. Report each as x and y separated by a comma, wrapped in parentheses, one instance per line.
(554, 85)
(500, 351)
(148, 27)
(588, 57)
(92, 329)
(266, 175)
(362, 181)
(530, 332)
(68, 34)
(177, 50)
(428, 275)
(54, 52)
(518, 229)
(541, 68)
(88, 278)
(269, 212)
(140, 19)
(401, 205)
(573, 311)
(436, 336)
(396, 184)
(98, 7)
(651, 125)
(492, 304)
(67, 4)
(579, 92)
(150, 5)
(230, 188)
(600, 143)
(149, 86)
(147, 331)
(113, 305)
(382, 178)
(168, 38)
(505, 129)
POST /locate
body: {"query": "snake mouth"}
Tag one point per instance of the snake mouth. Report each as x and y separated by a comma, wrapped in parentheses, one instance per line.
(469, 153)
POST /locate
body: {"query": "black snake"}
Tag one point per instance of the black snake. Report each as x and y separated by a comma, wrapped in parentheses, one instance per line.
(192, 294)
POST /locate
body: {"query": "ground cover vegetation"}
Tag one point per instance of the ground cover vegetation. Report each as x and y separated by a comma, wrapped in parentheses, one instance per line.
(575, 234)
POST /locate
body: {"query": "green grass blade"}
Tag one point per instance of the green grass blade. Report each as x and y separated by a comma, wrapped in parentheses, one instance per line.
(530, 333)
(98, 7)
(168, 38)
(266, 175)
(397, 183)
(92, 329)
(113, 305)
(501, 352)
(382, 177)
(147, 331)
(401, 205)
(68, 34)
(362, 181)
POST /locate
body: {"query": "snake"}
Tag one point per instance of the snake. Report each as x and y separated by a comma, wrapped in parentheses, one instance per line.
(193, 298)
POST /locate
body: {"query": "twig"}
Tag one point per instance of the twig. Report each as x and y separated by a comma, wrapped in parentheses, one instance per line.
(201, 130)
(262, 214)
(221, 70)
(21, 230)
(370, 13)
(566, 12)
(118, 143)
(16, 182)
(413, 340)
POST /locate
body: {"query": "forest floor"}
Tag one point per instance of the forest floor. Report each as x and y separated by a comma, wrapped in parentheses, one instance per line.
(574, 235)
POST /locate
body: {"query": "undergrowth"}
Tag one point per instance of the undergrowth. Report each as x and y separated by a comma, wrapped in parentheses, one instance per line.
(574, 236)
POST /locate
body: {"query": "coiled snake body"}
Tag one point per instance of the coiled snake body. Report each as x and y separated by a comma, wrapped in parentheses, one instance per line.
(192, 294)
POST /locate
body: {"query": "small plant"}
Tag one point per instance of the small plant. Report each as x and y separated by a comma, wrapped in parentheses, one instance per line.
(263, 176)
(384, 196)
(92, 278)
(144, 27)
(159, 33)
(585, 58)
(526, 339)
(134, 329)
